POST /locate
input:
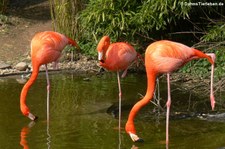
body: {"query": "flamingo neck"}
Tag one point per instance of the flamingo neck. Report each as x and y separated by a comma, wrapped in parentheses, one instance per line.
(151, 77)
(103, 47)
(200, 54)
(73, 42)
(26, 87)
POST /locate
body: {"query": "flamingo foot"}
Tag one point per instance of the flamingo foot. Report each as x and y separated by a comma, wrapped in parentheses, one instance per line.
(135, 138)
(32, 117)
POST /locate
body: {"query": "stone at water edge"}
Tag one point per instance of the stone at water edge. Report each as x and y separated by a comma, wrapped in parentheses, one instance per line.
(4, 65)
(21, 66)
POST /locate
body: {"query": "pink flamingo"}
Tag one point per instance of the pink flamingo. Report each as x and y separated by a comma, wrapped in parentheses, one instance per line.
(115, 57)
(46, 47)
(165, 57)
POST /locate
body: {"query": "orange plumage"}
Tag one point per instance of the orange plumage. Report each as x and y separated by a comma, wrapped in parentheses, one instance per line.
(116, 57)
(46, 47)
(165, 57)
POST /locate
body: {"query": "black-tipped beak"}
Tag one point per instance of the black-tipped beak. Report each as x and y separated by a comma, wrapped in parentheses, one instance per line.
(102, 61)
(32, 117)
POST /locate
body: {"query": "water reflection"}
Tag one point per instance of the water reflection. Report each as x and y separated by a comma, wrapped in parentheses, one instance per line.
(48, 136)
(24, 134)
(78, 115)
(48, 120)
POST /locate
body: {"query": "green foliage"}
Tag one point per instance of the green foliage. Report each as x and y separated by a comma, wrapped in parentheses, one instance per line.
(202, 68)
(220, 65)
(127, 20)
(4, 19)
(157, 14)
(215, 33)
(123, 19)
(88, 49)
(64, 15)
(107, 17)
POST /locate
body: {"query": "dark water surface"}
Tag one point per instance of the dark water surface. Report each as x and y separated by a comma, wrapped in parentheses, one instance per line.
(83, 111)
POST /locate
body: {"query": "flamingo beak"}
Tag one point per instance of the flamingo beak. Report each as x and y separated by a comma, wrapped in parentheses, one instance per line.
(31, 116)
(100, 56)
(135, 138)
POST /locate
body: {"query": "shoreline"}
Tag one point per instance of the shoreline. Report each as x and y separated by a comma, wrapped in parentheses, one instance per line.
(83, 65)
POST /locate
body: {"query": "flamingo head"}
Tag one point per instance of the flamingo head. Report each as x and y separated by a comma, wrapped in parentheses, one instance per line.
(73, 43)
(26, 112)
(132, 132)
(135, 138)
(102, 47)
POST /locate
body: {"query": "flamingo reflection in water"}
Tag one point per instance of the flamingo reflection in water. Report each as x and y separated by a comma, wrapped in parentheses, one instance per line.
(24, 133)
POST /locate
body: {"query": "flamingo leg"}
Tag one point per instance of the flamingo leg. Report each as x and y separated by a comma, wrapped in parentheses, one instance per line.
(124, 73)
(168, 108)
(48, 90)
(120, 96)
(212, 98)
(55, 65)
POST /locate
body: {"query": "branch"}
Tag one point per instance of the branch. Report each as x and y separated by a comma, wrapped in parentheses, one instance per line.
(187, 32)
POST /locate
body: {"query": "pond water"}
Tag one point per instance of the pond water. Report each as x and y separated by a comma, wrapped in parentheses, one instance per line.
(83, 115)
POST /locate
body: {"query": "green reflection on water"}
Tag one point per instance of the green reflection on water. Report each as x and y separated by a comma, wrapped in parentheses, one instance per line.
(78, 117)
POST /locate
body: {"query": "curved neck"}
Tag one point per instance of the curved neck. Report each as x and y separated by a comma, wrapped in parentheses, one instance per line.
(200, 54)
(151, 77)
(25, 89)
(103, 46)
(104, 50)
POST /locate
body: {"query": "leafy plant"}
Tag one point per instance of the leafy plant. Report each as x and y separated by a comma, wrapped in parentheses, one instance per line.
(201, 68)
(157, 14)
(215, 33)
(107, 17)
(64, 16)
(4, 19)
(124, 20)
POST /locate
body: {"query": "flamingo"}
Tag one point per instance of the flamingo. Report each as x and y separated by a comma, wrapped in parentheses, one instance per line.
(24, 134)
(46, 47)
(115, 57)
(165, 57)
(23, 137)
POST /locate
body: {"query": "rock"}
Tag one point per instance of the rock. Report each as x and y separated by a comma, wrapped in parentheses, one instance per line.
(86, 79)
(4, 65)
(21, 66)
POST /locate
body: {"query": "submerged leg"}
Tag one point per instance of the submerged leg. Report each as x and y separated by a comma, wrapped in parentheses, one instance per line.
(168, 108)
(120, 95)
(48, 89)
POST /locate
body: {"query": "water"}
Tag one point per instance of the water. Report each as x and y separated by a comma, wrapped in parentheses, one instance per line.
(81, 108)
